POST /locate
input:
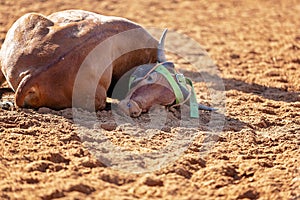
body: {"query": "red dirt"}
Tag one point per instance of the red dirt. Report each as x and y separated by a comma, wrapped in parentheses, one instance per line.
(256, 46)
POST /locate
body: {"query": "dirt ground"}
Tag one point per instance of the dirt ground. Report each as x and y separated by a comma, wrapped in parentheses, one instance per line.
(256, 47)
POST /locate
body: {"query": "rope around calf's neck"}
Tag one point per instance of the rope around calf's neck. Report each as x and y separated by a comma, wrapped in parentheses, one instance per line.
(180, 100)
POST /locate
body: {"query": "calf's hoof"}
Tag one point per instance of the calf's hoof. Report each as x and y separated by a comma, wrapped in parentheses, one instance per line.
(7, 105)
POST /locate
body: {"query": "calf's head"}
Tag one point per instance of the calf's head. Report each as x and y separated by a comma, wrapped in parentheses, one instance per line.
(149, 87)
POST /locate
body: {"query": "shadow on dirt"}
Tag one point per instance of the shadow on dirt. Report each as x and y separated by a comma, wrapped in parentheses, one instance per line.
(172, 119)
(271, 93)
(108, 121)
(5, 91)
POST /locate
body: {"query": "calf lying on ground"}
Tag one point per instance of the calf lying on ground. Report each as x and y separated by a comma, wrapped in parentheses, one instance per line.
(42, 55)
(159, 84)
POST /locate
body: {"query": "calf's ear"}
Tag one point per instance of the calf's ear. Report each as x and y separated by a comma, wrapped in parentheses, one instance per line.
(169, 64)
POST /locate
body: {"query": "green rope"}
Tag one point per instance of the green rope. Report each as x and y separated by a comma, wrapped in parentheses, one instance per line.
(194, 113)
(176, 89)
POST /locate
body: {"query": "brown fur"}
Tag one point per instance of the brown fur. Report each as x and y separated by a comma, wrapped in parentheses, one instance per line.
(41, 56)
(2, 77)
(146, 94)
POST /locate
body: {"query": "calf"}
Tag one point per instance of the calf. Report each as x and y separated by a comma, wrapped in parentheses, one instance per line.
(41, 56)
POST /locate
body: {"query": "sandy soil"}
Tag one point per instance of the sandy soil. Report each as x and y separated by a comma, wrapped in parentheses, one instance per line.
(256, 47)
